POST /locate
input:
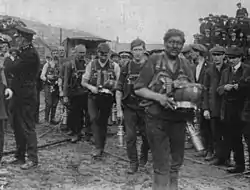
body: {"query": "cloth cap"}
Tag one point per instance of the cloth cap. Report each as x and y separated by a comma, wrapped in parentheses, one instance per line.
(234, 51)
(137, 42)
(199, 47)
(125, 53)
(114, 54)
(103, 47)
(80, 48)
(218, 49)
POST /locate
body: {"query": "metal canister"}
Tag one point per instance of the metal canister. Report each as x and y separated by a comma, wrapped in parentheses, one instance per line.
(195, 136)
(120, 135)
(114, 114)
(64, 115)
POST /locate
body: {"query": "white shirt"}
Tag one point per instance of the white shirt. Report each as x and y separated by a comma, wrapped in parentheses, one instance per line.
(236, 67)
(198, 69)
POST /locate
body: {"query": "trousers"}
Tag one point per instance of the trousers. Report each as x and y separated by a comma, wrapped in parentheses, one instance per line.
(166, 140)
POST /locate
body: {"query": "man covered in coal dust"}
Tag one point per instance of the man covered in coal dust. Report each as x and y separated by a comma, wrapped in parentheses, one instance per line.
(165, 126)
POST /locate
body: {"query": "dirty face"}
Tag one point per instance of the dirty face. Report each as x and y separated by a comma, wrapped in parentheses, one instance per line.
(173, 46)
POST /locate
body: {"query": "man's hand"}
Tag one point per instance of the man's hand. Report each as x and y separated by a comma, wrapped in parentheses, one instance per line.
(65, 100)
(236, 86)
(228, 87)
(166, 101)
(206, 114)
(8, 93)
(94, 90)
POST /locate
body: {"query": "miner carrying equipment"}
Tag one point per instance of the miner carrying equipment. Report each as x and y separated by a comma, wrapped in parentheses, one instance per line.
(50, 75)
(23, 104)
(133, 114)
(165, 125)
(100, 78)
(74, 93)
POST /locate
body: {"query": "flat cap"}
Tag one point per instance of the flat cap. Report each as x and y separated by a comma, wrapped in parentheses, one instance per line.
(186, 48)
(114, 54)
(218, 49)
(156, 51)
(125, 53)
(234, 51)
(103, 47)
(25, 30)
(199, 47)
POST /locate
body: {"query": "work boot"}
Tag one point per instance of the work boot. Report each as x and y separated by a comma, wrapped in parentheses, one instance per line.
(16, 162)
(236, 169)
(29, 165)
(97, 154)
(70, 133)
(76, 138)
(202, 153)
(173, 181)
(209, 156)
(133, 168)
(160, 182)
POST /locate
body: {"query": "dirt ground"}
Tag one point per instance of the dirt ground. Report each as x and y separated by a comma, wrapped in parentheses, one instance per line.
(69, 167)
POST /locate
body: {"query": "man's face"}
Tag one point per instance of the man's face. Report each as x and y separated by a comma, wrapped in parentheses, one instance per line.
(54, 54)
(239, 6)
(116, 59)
(173, 46)
(194, 54)
(61, 52)
(218, 58)
(125, 58)
(80, 54)
(234, 60)
(138, 52)
(4, 47)
(103, 56)
(187, 55)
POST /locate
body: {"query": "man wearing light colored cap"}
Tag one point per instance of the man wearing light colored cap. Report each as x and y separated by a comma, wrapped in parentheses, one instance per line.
(100, 79)
(212, 106)
(199, 52)
(74, 94)
(233, 92)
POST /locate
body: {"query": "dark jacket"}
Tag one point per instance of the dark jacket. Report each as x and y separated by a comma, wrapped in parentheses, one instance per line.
(212, 100)
(232, 101)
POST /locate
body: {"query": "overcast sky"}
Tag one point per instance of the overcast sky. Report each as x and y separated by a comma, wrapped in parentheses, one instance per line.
(128, 19)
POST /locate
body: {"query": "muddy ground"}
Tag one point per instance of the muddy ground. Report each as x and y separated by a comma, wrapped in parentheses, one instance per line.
(69, 167)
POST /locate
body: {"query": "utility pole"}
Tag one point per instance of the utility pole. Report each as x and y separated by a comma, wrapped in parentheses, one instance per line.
(60, 36)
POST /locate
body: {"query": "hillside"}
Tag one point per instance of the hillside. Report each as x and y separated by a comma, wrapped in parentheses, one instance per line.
(51, 34)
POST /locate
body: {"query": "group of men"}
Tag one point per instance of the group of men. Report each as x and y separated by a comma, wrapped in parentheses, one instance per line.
(90, 88)
(225, 31)
(224, 107)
